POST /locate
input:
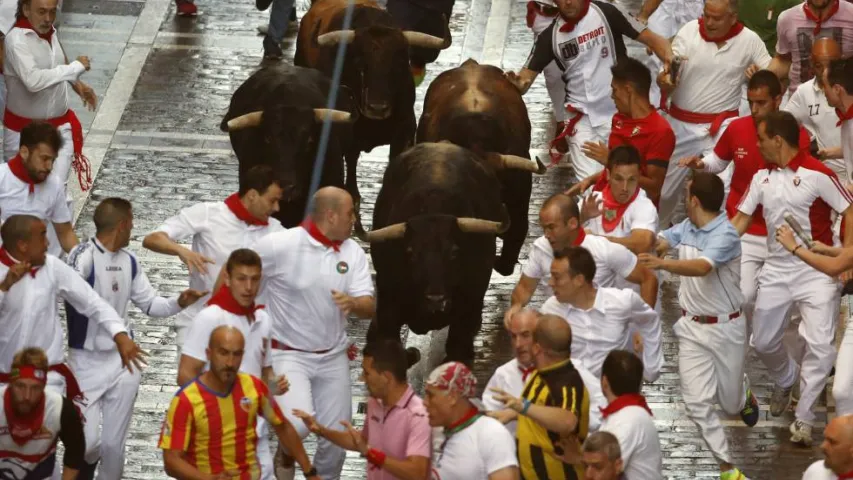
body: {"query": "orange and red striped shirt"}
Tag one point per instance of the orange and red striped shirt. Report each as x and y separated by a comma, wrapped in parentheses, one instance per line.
(217, 432)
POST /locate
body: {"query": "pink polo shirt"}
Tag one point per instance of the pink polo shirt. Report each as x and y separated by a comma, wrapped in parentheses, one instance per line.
(400, 431)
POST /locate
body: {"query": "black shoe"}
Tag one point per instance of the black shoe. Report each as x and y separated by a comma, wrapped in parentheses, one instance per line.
(292, 12)
(413, 356)
(272, 51)
(262, 4)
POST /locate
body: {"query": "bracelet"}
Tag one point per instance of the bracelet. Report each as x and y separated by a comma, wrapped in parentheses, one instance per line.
(311, 473)
(526, 404)
(794, 251)
(376, 457)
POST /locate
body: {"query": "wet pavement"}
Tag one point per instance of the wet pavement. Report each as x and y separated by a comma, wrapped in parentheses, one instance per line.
(165, 83)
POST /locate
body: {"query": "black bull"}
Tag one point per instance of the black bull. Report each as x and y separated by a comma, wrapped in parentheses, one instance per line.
(476, 107)
(275, 118)
(433, 241)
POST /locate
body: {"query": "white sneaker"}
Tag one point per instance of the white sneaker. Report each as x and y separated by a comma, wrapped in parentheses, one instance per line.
(801, 432)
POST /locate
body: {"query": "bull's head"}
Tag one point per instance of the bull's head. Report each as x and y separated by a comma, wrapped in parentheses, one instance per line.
(433, 245)
(290, 136)
(377, 63)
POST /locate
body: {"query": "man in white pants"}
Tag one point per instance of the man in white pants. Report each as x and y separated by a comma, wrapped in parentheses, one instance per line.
(798, 185)
(712, 330)
(838, 452)
(234, 305)
(717, 51)
(217, 229)
(116, 275)
(512, 376)
(540, 15)
(585, 40)
(315, 276)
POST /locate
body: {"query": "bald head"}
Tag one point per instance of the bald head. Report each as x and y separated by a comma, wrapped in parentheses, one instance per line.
(554, 335)
(562, 203)
(17, 228)
(328, 199)
(225, 335)
(837, 445)
(844, 427)
(826, 48)
(524, 320)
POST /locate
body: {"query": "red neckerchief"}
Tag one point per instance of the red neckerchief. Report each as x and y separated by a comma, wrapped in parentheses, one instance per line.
(818, 22)
(736, 28)
(24, 23)
(16, 165)
(525, 371)
(580, 238)
(842, 116)
(5, 259)
(847, 475)
(622, 401)
(224, 300)
(611, 205)
(316, 234)
(571, 23)
(22, 428)
(239, 210)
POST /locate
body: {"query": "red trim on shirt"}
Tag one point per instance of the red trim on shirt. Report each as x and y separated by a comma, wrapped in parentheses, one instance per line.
(24, 23)
(626, 400)
(736, 28)
(241, 212)
(818, 21)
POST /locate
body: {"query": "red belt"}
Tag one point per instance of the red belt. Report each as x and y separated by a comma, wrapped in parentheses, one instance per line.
(707, 319)
(72, 388)
(715, 119)
(80, 162)
(534, 8)
(280, 346)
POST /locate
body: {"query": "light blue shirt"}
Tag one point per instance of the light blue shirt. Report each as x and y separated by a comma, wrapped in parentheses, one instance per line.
(718, 243)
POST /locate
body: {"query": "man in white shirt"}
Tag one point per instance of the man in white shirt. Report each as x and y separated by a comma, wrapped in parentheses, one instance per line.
(116, 275)
(32, 281)
(512, 376)
(540, 15)
(476, 446)
(812, 109)
(315, 277)
(717, 50)
(601, 318)
(629, 418)
(234, 305)
(27, 186)
(37, 74)
(796, 185)
(561, 222)
(712, 330)
(839, 94)
(217, 229)
(837, 447)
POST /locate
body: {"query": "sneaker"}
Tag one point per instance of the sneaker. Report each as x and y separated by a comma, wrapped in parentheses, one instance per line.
(418, 74)
(186, 8)
(733, 474)
(749, 413)
(272, 51)
(262, 4)
(801, 433)
(780, 400)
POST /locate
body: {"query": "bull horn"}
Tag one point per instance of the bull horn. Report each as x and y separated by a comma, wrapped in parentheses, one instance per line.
(336, 37)
(391, 232)
(320, 115)
(478, 225)
(521, 163)
(419, 39)
(245, 121)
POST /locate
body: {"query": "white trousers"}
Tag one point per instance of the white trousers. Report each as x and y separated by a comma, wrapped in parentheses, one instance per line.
(842, 391)
(319, 384)
(816, 297)
(61, 170)
(710, 364)
(586, 132)
(553, 76)
(264, 452)
(690, 139)
(110, 391)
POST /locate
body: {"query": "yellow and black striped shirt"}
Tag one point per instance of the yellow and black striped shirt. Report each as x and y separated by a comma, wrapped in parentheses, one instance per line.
(559, 385)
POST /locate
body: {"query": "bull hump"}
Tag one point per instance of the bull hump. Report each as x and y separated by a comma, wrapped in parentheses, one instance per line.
(474, 98)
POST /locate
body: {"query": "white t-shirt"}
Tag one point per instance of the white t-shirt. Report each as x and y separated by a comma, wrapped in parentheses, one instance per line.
(638, 440)
(818, 471)
(612, 261)
(216, 232)
(483, 448)
(256, 354)
(299, 276)
(809, 105)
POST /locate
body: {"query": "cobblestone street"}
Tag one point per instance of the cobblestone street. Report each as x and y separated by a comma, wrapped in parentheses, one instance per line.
(164, 83)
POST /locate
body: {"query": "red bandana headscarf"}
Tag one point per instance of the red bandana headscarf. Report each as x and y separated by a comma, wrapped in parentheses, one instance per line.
(736, 28)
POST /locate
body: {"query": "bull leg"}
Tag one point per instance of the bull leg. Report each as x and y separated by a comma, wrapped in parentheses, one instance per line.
(405, 137)
(460, 336)
(517, 200)
(351, 185)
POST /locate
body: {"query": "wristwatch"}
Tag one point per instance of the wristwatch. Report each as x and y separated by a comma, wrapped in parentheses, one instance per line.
(311, 473)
